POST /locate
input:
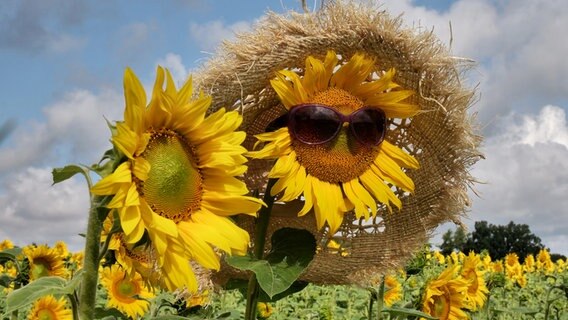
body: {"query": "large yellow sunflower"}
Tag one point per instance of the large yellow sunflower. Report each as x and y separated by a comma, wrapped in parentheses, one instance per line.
(49, 308)
(444, 297)
(342, 174)
(44, 261)
(178, 182)
(127, 294)
(476, 293)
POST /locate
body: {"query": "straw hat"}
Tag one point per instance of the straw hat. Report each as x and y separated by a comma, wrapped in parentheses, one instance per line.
(442, 137)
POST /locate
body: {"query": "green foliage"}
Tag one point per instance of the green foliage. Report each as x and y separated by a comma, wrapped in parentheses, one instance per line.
(500, 240)
(292, 251)
(26, 295)
(453, 241)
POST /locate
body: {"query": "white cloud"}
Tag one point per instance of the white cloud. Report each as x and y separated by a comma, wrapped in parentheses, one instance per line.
(522, 61)
(74, 130)
(178, 70)
(207, 36)
(526, 176)
(32, 210)
(131, 40)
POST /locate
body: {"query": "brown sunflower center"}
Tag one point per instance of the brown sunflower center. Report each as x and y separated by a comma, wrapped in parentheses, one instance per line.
(442, 305)
(343, 158)
(174, 186)
(40, 268)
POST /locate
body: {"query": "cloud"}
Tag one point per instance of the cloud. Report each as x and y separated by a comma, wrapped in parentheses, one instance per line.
(32, 210)
(207, 36)
(132, 39)
(176, 67)
(525, 176)
(522, 62)
(74, 130)
(34, 27)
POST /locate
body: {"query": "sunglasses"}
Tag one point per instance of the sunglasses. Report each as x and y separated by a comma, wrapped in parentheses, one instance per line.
(317, 124)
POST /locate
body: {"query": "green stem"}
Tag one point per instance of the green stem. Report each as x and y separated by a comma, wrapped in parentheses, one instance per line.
(380, 299)
(73, 299)
(88, 290)
(371, 302)
(261, 227)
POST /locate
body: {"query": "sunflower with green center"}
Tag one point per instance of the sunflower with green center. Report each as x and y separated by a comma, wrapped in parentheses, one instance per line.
(444, 297)
(342, 174)
(476, 293)
(44, 262)
(178, 183)
(127, 294)
(49, 308)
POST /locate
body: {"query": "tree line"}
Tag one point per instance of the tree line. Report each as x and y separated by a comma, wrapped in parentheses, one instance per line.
(497, 240)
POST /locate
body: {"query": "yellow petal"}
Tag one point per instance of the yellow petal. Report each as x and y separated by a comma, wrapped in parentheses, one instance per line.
(308, 196)
(284, 90)
(135, 97)
(360, 208)
(366, 90)
(353, 72)
(401, 158)
(113, 182)
(141, 168)
(129, 220)
(392, 172)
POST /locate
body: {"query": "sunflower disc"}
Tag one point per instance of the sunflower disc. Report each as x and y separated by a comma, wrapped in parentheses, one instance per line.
(442, 137)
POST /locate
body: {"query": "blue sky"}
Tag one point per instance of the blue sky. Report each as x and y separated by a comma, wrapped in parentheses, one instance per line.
(62, 64)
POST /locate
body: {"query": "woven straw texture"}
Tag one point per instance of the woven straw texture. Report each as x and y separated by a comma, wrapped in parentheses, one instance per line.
(442, 136)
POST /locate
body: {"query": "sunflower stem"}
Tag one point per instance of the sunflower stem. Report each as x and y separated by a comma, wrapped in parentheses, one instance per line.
(88, 290)
(73, 300)
(380, 299)
(261, 227)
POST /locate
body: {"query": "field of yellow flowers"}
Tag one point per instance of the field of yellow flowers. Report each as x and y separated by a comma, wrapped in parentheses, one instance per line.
(457, 286)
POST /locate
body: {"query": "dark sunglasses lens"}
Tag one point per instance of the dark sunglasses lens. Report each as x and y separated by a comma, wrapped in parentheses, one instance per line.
(369, 126)
(314, 124)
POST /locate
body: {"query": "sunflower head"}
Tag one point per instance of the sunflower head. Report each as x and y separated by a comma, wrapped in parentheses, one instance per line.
(45, 261)
(126, 293)
(177, 180)
(332, 152)
(50, 308)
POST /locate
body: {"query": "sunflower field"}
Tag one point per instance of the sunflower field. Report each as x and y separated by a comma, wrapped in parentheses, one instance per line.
(431, 286)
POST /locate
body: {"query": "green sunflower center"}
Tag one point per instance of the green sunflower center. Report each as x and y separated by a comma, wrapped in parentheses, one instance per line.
(343, 158)
(174, 186)
(126, 288)
(46, 314)
(442, 305)
(40, 269)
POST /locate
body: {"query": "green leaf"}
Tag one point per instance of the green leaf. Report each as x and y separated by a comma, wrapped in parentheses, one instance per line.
(41, 287)
(406, 312)
(292, 251)
(5, 280)
(523, 310)
(10, 254)
(62, 174)
(109, 314)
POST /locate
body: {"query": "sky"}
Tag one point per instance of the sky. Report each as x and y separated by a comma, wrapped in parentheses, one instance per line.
(63, 61)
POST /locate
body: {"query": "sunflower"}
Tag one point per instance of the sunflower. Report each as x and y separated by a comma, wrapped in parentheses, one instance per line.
(444, 297)
(477, 291)
(49, 308)
(342, 174)
(44, 262)
(393, 291)
(127, 294)
(178, 183)
(61, 248)
(6, 244)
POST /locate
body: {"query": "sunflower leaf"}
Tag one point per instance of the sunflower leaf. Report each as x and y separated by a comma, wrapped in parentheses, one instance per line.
(41, 287)
(292, 251)
(10, 254)
(405, 312)
(62, 174)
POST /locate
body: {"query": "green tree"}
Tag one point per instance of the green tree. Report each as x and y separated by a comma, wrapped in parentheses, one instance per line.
(499, 240)
(453, 241)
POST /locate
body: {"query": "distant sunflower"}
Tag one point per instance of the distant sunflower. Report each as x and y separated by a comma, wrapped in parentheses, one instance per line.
(342, 174)
(44, 262)
(179, 182)
(6, 244)
(49, 308)
(127, 294)
(444, 297)
(393, 291)
(476, 293)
